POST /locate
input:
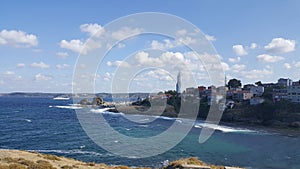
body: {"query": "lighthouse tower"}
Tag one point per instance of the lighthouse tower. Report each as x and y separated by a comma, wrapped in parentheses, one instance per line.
(178, 84)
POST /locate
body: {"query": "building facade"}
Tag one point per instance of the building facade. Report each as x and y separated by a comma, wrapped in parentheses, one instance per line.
(284, 82)
(293, 93)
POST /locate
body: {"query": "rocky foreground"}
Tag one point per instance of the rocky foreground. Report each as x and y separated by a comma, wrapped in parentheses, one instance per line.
(17, 159)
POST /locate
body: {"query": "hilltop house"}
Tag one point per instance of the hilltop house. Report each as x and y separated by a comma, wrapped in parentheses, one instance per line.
(293, 92)
(284, 82)
(242, 95)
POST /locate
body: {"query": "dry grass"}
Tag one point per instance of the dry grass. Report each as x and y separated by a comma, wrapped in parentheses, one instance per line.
(21, 163)
(51, 157)
(15, 159)
(13, 166)
(190, 161)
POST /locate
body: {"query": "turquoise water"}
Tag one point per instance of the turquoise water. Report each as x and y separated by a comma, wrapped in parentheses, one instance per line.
(46, 125)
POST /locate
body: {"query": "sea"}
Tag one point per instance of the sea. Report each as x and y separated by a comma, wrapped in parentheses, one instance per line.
(51, 126)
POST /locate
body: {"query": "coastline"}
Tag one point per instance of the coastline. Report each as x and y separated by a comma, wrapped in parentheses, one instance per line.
(170, 112)
(19, 159)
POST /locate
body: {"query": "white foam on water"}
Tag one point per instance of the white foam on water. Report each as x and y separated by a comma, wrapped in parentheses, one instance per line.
(28, 120)
(165, 118)
(61, 98)
(99, 110)
(104, 111)
(144, 125)
(69, 107)
(75, 151)
(224, 129)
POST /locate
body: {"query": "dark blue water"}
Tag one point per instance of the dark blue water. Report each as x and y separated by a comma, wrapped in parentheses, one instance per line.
(31, 123)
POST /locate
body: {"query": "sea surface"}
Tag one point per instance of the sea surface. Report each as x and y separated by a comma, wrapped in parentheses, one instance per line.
(46, 125)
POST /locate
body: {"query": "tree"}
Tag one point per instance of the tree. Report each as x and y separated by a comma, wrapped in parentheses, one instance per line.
(171, 92)
(234, 83)
(258, 83)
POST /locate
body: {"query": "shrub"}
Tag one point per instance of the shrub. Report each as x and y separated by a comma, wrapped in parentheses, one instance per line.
(51, 157)
(4, 167)
(67, 167)
(25, 162)
(10, 160)
(16, 166)
(90, 164)
(122, 167)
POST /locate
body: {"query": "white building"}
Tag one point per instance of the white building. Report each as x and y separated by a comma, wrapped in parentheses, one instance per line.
(284, 82)
(293, 93)
(257, 90)
(242, 96)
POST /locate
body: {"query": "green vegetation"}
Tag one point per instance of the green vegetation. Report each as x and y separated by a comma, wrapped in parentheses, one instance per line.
(175, 101)
(234, 83)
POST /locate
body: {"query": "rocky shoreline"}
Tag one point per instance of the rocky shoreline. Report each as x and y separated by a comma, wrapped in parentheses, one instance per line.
(241, 116)
(17, 159)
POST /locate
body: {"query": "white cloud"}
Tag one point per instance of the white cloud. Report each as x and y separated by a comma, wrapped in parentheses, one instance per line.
(181, 32)
(20, 65)
(17, 38)
(287, 66)
(144, 59)
(63, 66)
(238, 67)
(297, 64)
(225, 66)
(269, 58)
(62, 54)
(41, 77)
(118, 63)
(280, 45)
(186, 40)
(74, 45)
(168, 44)
(121, 45)
(108, 76)
(125, 32)
(163, 46)
(41, 65)
(173, 60)
(160, 75)
(210, 38)
(84, 46)
(253, 46)
(239, 50)
(92, 29)
(234, 60)
(9, 73)
(256, 74)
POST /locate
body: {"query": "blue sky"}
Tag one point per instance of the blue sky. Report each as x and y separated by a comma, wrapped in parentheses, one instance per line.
(256, 40)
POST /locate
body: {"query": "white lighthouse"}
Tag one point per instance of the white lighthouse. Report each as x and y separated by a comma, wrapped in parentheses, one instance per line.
(178, 84)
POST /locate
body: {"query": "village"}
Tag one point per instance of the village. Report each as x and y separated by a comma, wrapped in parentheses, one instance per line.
(254, 94)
